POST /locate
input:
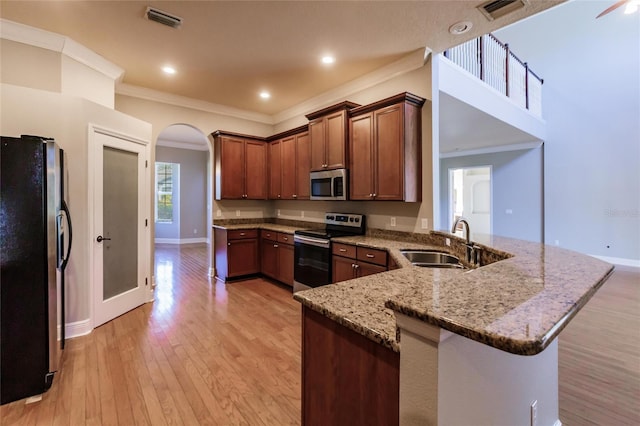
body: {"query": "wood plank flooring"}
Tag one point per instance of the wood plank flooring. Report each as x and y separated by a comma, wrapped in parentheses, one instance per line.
(214, 354)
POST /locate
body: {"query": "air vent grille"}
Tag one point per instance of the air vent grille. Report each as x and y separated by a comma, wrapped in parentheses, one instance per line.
(163, 18)
(496, 9)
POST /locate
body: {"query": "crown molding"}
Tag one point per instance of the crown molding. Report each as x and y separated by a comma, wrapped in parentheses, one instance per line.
(37, 37)
(183, 101)
(410, 62)
(493, 149)
(182, 145)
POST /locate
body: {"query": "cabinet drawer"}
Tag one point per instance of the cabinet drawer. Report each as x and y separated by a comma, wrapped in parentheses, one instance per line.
(379, 257)
(344, 250)
(268, 235)
(241, 234)
(285, 238)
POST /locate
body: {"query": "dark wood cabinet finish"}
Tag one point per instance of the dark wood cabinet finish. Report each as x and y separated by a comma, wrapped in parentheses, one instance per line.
(240, 167)
(289, 164)
(385, 157)
(236, 253)
(276, 250)
(328, 131)
(346, 378)
(349, 262)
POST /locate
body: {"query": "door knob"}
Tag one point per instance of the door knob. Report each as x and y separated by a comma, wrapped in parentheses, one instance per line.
(101, 239)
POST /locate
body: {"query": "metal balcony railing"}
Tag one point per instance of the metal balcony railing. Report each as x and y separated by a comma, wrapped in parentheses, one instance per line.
(491, 61)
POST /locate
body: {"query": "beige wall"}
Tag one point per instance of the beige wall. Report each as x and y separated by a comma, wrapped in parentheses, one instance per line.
(65, 118)
(29, 66)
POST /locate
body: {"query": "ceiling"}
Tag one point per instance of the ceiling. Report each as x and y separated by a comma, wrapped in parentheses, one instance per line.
(226, 52)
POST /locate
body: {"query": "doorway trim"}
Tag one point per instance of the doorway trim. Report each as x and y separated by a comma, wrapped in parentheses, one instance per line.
(93, 130)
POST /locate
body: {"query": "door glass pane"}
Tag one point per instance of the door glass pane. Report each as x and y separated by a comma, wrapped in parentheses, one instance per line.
(120, 221)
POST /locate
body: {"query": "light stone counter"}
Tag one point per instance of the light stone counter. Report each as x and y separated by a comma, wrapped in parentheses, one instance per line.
(518, 304)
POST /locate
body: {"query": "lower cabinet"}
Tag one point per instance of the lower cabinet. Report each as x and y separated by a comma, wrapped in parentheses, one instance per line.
(347, 379)
(276, 249)
(236, 253)
(350, 262)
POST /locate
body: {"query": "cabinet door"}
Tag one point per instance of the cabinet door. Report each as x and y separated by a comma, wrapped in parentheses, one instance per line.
(232, 161)
(303, 166)
(285, 263)
(275, 169)
(365, 269)
(389, 175)
(317, 140)
(242, 257)
(336, 130)
(361, 158)
(256, 170)
(288, 166)
(269, 258)
(342, 268)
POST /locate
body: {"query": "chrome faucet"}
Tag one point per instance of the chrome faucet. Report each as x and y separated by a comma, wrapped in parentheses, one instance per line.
(472, 250)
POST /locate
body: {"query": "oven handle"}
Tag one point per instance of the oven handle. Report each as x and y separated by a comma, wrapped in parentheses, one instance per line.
(312, 241)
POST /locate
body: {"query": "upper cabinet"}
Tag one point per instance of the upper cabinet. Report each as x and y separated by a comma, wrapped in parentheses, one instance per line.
(328, 136)
(289, 165)
(240, 167)
(385, 160)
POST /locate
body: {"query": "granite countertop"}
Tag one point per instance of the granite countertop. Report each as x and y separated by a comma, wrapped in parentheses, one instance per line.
(518, 304)
(275, 227)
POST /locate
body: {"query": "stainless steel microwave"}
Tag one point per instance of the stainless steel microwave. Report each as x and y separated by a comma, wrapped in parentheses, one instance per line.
(329, 185)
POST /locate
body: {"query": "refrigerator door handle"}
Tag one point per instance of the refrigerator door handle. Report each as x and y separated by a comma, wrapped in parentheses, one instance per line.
(65, 259)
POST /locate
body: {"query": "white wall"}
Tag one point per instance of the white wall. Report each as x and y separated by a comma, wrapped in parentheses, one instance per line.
(591, 103)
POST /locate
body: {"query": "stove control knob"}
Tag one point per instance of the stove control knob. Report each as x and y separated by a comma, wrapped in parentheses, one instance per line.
(350, 219)
(357, 219)
(330, 217)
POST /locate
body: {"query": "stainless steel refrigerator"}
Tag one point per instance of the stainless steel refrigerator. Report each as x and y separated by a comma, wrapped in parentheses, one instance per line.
(35, 239)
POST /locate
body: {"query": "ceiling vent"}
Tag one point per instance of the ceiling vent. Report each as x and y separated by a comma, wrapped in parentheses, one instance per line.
(496, 9)
(163, 18)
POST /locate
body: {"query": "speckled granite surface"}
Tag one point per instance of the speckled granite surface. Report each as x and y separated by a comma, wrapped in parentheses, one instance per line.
(518, 304)
(286, 226)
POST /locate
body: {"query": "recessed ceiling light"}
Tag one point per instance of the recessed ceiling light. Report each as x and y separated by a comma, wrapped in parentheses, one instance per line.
(265, 95)
(169, 70)
(460, 27)
(328, 59)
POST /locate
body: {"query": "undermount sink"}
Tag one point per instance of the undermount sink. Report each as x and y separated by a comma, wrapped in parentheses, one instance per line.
(432, 259)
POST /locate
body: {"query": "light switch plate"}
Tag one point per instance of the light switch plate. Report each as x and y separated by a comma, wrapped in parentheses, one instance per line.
(393, 221)
(425, 223)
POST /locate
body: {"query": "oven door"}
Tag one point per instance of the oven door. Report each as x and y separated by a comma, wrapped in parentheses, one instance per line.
(312, 262)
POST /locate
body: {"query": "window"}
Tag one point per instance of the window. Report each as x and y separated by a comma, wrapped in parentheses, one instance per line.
(165, 191)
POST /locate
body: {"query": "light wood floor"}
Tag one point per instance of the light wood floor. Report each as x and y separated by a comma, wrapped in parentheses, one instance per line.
(206, 353)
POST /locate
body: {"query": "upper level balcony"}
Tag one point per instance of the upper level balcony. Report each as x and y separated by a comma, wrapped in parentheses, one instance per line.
(491, 61)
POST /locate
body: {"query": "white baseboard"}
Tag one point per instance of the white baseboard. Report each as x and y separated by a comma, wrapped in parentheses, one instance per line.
(77, 329)
(181, 240)
(635, 263)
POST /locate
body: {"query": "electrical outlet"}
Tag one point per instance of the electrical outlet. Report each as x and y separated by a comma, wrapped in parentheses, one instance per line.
(278, 212)
(447, 241)
(238, 213)
(195, 231)
(302, 213)
(425, 223)
(219, 213)
(534, 413)
(557, 242)
(508, 211)
(393, 221)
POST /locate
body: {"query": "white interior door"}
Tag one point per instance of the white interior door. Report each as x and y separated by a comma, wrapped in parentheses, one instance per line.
(470, 197)
(120, 231)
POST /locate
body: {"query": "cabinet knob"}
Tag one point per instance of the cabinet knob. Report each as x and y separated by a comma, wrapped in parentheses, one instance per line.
(343, 250)
(228, 244)
(370, 256)
(374, 195)
(370, 195)
(275, 245)
(285, 238)
(356, 266)
(242, 234)
(353, 265)
(295, 196)
(278, 195)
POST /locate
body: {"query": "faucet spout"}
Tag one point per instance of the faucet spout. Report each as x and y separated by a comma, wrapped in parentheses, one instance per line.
(466, 228)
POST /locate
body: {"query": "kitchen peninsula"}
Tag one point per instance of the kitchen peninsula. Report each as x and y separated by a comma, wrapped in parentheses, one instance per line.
(444, 346)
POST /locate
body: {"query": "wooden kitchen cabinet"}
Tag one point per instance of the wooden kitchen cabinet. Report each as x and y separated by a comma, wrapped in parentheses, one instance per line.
(240, 167)
(328, 131)
(276, 250)
(385, 160)
(236, 253)
(349, 262)
(289, 163)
